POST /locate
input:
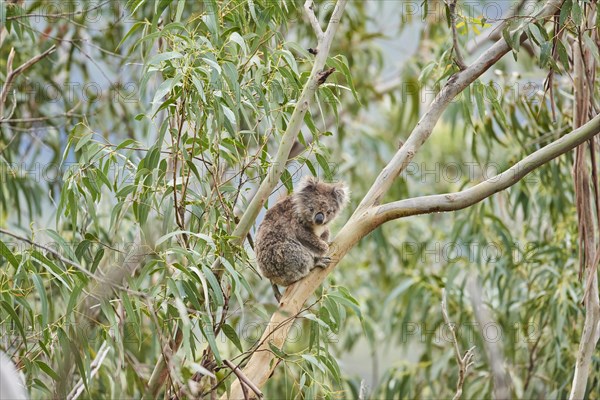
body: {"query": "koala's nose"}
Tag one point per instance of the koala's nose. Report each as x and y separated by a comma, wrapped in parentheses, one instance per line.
(319, 218)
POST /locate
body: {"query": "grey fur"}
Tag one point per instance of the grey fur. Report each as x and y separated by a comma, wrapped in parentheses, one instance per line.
(288, 243)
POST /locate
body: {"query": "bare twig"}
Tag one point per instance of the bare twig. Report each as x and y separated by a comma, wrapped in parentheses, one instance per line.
(11, 75)
(238, 372)
(458, 58)
(312, 18)
(464, 362)
(95, 366)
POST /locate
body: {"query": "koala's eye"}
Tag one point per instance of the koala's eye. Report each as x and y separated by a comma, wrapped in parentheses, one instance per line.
(311, 209)
(328, 212)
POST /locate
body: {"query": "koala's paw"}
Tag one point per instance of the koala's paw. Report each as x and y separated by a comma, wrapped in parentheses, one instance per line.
(322, 262)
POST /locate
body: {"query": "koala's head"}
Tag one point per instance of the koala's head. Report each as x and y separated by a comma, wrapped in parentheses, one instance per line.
(317, 203)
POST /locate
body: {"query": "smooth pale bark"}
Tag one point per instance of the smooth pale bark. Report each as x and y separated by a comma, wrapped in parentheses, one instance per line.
(468, 197)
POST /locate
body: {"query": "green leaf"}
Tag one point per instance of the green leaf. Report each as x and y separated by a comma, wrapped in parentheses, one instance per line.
(577, 13)
(233, 336)
(39, 285)
(6, 253)
(82, 135)
(207, 330)
(53, 269)
(125, 143)
(237, 38)
(214, 284)
(562, 54)
(16, 320)
(341, 64)
(278, 353)
(545, 53)
(47, 369)
(73, 298)
(312, 360)
(160, 57)
(131, 31)
(565, 12)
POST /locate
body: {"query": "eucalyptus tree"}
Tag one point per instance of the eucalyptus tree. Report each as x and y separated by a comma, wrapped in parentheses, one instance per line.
(141, 141)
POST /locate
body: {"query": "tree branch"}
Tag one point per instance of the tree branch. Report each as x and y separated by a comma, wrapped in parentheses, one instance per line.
(455, 85)
(278, 165)
(475, 194)
(464, 362)
(312, 18)
(584, 65)
(238, 372)
(11, 75)
(458, 58)
(94, 366)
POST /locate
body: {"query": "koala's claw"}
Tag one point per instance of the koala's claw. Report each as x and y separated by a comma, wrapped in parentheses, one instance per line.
(322, 262)
(276, 292)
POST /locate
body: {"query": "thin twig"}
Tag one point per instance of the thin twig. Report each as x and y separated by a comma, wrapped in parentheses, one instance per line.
(245, 381)
(11, 75)
(67, 114)
(458, 58)
(464, 362)
(58, 15)
(95, 366)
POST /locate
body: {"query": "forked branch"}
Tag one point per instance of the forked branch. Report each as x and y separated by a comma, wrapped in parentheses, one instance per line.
(464, 362)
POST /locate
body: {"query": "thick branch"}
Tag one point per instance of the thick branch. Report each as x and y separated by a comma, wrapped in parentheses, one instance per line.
(456, 84)
(468, 197)
(260, 365)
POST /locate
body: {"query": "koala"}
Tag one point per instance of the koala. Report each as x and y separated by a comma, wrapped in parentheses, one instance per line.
(293, 237)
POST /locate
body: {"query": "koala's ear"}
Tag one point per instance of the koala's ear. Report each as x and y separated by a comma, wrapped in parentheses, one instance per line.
(341, 193)
(307, 182)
